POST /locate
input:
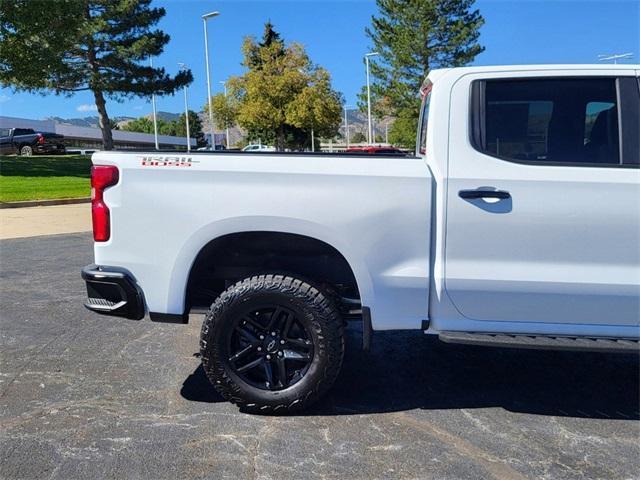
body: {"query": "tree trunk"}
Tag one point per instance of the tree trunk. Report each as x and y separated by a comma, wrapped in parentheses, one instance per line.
(280, 139)
(105, 124)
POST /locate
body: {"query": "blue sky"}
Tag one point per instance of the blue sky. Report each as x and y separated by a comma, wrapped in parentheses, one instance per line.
(515, 32)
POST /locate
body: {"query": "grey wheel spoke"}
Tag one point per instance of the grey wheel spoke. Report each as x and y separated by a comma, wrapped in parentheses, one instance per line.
(247, 334)
(293, 355)
(252, 321)
(274, 318)
(269, 374)
(299, 344)
(282, 372)
(287, 325)
(250, 365)
(242, 353)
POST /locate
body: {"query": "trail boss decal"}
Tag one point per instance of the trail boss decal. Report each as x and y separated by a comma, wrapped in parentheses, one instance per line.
(167, 161)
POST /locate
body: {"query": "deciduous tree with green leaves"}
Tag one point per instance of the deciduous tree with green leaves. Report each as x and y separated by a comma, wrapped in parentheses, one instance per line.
(282, 96)
(412, 37)
(68, 46)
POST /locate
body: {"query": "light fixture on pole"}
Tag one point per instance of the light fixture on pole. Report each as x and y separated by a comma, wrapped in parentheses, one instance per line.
(186, 110)
(366, 59)
(206, 17)
(153, 110)
(224, 85)
(615, 57)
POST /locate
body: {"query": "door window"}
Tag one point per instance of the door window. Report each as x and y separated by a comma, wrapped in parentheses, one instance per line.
(555, 121)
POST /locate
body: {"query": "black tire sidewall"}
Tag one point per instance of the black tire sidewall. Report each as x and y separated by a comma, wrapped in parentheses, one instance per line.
(318, 316)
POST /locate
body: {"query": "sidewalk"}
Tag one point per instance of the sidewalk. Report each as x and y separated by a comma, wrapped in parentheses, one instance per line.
(51, 220)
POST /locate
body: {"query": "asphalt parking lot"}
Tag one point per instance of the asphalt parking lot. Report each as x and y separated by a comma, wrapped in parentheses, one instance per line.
(84, 396)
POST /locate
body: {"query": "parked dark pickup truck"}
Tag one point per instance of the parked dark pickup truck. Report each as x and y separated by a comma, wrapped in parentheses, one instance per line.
(26, 141)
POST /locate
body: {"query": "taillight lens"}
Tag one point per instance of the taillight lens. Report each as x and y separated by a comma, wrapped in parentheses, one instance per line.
(41, 139)
(102, 177)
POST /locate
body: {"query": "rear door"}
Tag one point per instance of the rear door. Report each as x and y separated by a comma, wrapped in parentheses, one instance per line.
(543, 217)
(5, 141)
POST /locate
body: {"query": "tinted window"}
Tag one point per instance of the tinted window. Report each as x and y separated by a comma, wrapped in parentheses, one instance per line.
(562, 121)
(4, 132)
(425, 118)
(22, 131)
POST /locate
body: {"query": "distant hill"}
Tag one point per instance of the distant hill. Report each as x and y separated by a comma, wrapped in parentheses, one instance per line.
(91, 122)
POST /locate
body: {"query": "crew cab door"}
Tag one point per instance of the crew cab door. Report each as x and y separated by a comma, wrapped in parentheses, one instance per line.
(6, 145)
(543, 210)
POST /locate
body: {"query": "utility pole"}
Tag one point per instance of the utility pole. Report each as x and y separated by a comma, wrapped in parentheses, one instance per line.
(205, 17)
(153, 109)
(366, 60)
(346, 125)
(224, 85)
(186, 111)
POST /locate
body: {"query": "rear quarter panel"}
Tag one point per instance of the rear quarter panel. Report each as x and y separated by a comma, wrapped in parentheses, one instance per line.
(375, 211)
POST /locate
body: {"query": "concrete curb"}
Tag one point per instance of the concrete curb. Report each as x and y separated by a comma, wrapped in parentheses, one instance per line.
(44, 203)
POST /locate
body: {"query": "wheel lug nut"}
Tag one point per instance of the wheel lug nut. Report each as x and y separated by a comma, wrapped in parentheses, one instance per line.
(268, 357)
(261, 337)
(280, 354)
(281, 342)
(273, 334)
(259, 349)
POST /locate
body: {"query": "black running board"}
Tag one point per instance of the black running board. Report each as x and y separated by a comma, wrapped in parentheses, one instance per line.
(542, 342)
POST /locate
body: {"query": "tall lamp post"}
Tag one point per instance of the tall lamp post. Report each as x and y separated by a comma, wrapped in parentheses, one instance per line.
(186, 110)
(224, 85)
(153, 109)
(346, 125)
(366, 60)
(206, 17)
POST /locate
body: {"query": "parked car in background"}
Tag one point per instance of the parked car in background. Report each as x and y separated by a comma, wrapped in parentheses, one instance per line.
(26, 141)
(255, 147)
(216, 148)
(370, 149)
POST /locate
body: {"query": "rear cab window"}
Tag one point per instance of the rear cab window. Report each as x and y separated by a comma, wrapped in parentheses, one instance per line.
(556, 121)
(425, 93)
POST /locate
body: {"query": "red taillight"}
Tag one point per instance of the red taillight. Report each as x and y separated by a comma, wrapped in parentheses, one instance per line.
(102, 176)
(41, 139)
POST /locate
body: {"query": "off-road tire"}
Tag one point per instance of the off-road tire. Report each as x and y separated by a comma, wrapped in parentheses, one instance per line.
(326, 331)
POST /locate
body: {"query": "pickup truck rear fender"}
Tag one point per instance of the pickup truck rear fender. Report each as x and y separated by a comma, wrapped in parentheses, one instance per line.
(209, 234)
(379, 290)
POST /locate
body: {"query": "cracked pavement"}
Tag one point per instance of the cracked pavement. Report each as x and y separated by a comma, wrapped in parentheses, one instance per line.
(84, 396)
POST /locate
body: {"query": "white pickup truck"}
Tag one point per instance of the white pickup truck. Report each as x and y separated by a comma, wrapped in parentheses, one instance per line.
(516, 223)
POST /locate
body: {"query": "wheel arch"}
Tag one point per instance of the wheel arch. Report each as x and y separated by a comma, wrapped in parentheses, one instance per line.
(186, 263)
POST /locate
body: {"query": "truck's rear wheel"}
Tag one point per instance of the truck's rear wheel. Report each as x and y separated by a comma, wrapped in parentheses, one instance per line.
(26, 150)
(272, 343)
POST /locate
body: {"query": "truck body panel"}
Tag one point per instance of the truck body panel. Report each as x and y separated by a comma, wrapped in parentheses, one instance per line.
(369, 208)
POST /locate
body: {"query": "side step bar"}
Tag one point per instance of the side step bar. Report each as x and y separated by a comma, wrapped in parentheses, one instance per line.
(542, 342)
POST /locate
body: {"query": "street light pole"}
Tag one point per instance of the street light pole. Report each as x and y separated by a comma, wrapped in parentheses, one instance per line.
(153, 109)
(346, 125)
(205, 17)
(186, 111)
(224, 84)
(366, 59)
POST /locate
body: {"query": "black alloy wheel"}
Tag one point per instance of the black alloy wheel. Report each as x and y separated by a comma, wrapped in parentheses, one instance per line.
(270, 348)
(272, 343)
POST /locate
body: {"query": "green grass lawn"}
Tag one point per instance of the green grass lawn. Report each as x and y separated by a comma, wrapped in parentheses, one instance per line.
(44, 177)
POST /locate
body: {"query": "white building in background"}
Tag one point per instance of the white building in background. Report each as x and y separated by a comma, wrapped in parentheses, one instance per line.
(87, 137)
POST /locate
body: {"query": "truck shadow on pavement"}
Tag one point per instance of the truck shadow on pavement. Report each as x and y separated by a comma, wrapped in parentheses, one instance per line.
(406, 371)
